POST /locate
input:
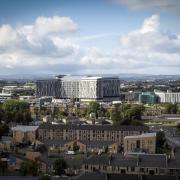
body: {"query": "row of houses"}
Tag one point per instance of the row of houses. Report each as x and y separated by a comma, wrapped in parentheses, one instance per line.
(134, 164)
(87, 138)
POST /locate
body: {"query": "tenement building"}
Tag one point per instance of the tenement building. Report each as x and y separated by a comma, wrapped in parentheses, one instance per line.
(87, 136)
(82, 88)
(140, 143)
(24, 134)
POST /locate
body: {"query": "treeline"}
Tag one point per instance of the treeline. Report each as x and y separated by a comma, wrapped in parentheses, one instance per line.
(123, 114)
(14, 111)
(127, 114)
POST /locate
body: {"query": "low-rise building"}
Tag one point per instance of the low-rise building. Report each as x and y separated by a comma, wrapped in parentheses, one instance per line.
(81, 132)
(140, 143)
(141, 164)
(5, 143)
(24, 134)
(55, 147)
(6, 96)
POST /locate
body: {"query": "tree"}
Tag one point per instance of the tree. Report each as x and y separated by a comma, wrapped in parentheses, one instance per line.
(16, 111)
(115, 116)
(4, 129)
(178, 128)
(170, 108)
(160, 139)
(15, 105)
(3, 167)
(93, 107)
(27, 117)
(127, 114)
(29, 168)
(59, 166)
(18, 117)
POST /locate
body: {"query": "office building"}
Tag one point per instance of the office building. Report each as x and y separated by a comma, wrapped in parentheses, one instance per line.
(168, 97)
(148, 98)
(99, 88)
(70, 87)
(49, 87)
(81, 88)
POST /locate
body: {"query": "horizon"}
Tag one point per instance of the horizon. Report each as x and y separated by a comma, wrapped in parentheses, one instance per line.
(89, 37)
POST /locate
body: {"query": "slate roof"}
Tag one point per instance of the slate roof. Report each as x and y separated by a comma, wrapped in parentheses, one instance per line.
(93, 127)
(174, 163)
(141, 135)
(71, 163)
(101, 176)
(124, 161)
(152, 160)
(55, 142)
(99, 144)
(142, 160)
(23, 128)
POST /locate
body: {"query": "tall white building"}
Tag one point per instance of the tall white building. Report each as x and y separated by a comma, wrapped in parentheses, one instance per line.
(168, 97)
(70, 87)
(99, 88)
(82, 88)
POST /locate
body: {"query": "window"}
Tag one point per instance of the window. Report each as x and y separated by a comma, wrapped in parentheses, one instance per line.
(132, 169)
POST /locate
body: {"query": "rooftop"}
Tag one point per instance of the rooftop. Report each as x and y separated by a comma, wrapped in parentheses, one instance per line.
(93, 127)
(23, 128)
(141, 136)
(141, 160)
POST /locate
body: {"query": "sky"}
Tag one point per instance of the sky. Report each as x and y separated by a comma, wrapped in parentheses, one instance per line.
(89, 36)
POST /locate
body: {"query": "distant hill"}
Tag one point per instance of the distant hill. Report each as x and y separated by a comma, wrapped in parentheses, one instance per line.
(123, 76)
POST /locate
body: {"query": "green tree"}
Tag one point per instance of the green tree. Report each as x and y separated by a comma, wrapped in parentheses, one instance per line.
(18, 117)
(16, 111)
(93, 107)
(178, 128)
(127, 114)
(160, 139)
(170, 108)
(15, 105)
(115, 116)
(27, 117)
(3, 167)
(4, 129)
(59, 166)
(29, 168)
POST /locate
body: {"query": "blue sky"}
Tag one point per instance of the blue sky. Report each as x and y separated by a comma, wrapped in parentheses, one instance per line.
(95, 36)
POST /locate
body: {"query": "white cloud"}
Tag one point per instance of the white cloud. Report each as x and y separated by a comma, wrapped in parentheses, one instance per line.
(56, 24)
(47, 45)
(160, 5)
(42, 43)
(139, 51)
(7, 35)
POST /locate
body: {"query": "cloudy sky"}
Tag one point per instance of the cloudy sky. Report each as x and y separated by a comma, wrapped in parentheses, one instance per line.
(89, 36)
